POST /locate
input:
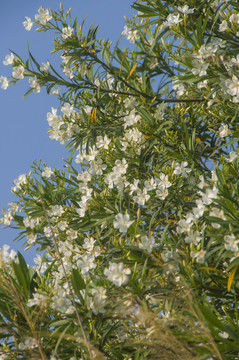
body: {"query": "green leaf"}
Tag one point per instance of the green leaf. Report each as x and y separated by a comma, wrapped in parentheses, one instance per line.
(77, 281)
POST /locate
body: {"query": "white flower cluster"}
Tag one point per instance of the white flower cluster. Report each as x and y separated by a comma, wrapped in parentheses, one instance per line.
(117, 176)
(203, 58)
(29, 343)
(39, 299)
(9, 214)
(19, 181)
(61, 301)
(160, 184)
(96, 300)
(117, 273)
(62, 131)
(131, 35)
(87, 261)
(206, 203)
(6, 256)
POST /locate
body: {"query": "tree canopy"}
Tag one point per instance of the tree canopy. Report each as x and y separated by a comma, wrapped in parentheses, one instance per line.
(139, 232)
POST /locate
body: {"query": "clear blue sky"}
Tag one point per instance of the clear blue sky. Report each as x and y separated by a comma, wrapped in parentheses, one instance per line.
(23, 134)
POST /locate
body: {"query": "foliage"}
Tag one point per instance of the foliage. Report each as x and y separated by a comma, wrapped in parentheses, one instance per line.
(139, 232)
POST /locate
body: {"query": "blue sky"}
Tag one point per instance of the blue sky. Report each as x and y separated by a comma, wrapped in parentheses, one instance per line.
(23, 134)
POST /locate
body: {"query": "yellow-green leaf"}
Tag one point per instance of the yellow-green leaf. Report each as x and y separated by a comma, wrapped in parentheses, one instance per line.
(231, 277)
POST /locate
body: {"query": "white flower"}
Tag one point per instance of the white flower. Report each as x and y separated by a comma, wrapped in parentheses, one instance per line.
(86, 263)
(134, 187)
(130, 103)
(184, 225)
(55, 91)
(97, 167)
(68, 72)
(89, 244)
(234, 18)
(122, 222)
(19, 181)
(6, 219)
(162, 182)
(185, 10)
(162, 193)
(202, 84)
(199, 210)
(209, 195)
(147, 243)
(232, 156)
(199, 256)
(102, 142)
(47, 172)
(219, 214)
(83, 206)
(5, 256)
(88, 109)
(131, 35)
(85, 177)
(65, 59)
(172, 20)
(31, 222)
(34, 84)
(4, 81)
(54, 120)
(121, 166)
(223, 334)
(55, 210)
(235, 61)
(223, 131)
(206, 51)
(231, 86)
(67, 109)
(231, 243)
(9, 59)
(27, 23)
(43, 16)
(18, 72)
(181, 169)
(223, 26)
(29, 343)
(199, 67)
(67, 32)
(149, 184)
(31, 239)
(38, 300)
(131, 119)
(193, 237)
(98, 300)
(141, 196)
(61, 302)
(45, 67)
(117, 273)
(179, 88)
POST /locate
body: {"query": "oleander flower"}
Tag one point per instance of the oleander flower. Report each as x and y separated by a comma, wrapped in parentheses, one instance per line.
(43, 16)
(4, 81)
(18, 72)
(67, 32)
(117, 273)
(122, 222)
(27, 23)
